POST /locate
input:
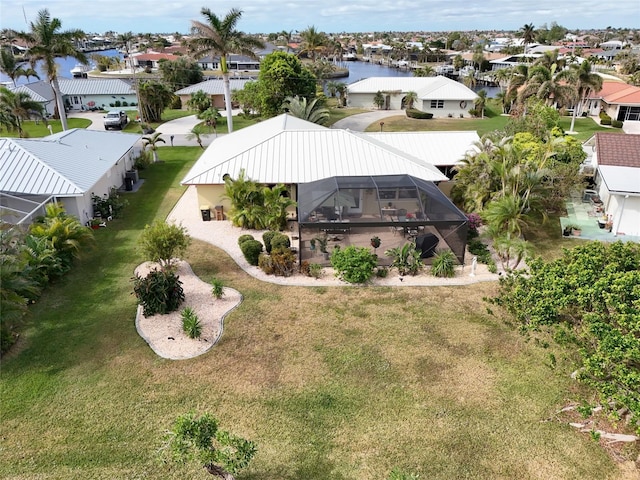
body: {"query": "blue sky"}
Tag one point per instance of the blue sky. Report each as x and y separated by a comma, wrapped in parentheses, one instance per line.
(166, 16)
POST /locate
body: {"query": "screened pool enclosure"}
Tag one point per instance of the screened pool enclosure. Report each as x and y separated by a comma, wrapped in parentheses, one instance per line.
(395, 208)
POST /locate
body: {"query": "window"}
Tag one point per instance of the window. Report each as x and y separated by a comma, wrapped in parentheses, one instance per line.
(387, 194)
(437, 103)
(407, 193)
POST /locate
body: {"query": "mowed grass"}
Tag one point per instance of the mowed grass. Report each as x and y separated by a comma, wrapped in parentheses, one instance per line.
(340, 383)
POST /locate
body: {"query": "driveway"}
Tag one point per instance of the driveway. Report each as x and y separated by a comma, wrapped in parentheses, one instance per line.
(359, 122)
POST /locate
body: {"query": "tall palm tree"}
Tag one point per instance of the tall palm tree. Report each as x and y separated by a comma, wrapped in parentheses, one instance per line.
(425, 71)
(218, 36)
(528, 32)
(409, 99)
(546, 85)
(313, 111)
(46, 43)
(585, 81)
(12, 68)
(481, 102)
(18, 106)
(313, 42)
(286, 38)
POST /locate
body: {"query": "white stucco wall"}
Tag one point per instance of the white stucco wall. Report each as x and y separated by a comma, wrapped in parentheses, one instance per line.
(450, 107)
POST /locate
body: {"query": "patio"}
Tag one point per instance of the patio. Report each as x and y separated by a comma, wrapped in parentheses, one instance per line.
(584, 215)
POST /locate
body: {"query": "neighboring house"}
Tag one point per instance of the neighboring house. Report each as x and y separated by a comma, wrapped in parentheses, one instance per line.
(342, 181)
(617, 160)
(235, 63)
(150, 60)
(83, 94)
(619, 100)
(67, 167)
(213, 88)
(441, 96)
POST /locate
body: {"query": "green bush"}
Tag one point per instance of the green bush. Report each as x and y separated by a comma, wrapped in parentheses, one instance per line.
(316, 270)
(616, 123)
(251, 250)
(413, 113)
(444, 264)
(267, 237)
(265, 263)
(191, 323)
(283, 261)
(162, 242)
(354, 264)
(159, 292)
(406, 259)
(217, 288)
(280, 241)
(605, 119)
(244, 238)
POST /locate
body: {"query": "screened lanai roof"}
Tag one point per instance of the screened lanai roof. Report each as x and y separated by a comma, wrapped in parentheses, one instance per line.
(375, 199)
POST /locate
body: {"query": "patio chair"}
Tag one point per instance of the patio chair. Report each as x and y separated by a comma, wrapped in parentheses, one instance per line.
(402, 214)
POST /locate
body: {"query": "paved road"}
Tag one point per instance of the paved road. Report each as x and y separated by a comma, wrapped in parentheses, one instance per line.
(359, 122)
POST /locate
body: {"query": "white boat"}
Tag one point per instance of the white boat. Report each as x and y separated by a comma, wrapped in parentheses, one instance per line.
(80, 70)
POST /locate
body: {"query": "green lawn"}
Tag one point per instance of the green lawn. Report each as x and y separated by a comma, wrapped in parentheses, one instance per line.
(340, 383)
(38, 130)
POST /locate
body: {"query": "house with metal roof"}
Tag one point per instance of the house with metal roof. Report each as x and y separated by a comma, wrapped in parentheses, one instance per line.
(67, 167)
(84, 93)
(213, 88)
(441, 96)
(617, 160)
(342, 181)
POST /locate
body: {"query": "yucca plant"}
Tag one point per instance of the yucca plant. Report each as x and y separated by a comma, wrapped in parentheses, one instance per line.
(217, 288)
(191, 323)
(444, 264)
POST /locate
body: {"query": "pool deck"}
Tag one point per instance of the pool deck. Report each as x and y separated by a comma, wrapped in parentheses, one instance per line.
(583, 214)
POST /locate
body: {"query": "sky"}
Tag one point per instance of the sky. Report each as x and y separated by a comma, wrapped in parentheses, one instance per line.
(330, 16)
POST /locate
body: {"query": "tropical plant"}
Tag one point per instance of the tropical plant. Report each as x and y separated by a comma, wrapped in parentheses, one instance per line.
(196, 133)
(180, 73)
(162, 242)
(585, 82)
(210, 117)
(191, 324)
(46, 43)
(201, 440)
(313, 42)
(159, 292)
(424, 71)
(354, 264)
(153, 98)
(313, 111)
(17, 106)
(14, 69)
(151, 142)
(410, 99)
(406, 259)
(199, 101)
(511, 251)
(444, 264)
(217, 288)
(218, 36)
(528, 33)
(378, 99)
(480, 102)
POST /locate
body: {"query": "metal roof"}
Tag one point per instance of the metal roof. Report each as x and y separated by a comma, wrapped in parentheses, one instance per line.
(285, 149)
(98, 86)
(213, 87)
(65, 164)
(621, 180)
(436, 148)
(39, 91)
(427, 88)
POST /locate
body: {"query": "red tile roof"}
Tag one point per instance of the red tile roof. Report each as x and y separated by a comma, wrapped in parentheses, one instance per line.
(618, 150)
(618, 92)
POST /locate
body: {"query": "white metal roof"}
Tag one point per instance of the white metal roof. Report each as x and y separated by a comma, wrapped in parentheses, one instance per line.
(285, 149)
(95, 86)
(427, 88)
(65, 164)
(621, 180)
(213, 87)
(436, 148)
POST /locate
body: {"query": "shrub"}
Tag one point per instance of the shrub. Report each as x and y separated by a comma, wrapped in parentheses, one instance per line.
(283, 262)
(217, 288)
(605, 121)
(354, 264)
(267, 237)
(251, 250)
(191, 323)
(244, 238)
(382, 272)
(280, 241)
(162, 241)
(305, 267)
(117, 103)
(444, 264)
(110, 205)
(406, 259)
(413, 113)
(617, 123)
(159, 292)
(316, 270)
(143, 160)
(265, 263)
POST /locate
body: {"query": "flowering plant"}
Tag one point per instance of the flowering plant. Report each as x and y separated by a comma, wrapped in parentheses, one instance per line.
(410, 215)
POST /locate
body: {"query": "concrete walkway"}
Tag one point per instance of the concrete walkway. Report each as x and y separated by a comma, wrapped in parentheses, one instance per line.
(359, 122)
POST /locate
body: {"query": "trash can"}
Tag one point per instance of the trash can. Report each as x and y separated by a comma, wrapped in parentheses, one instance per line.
(205, 210)
(128, 184)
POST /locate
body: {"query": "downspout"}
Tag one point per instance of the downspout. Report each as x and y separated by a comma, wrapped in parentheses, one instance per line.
(624, 200)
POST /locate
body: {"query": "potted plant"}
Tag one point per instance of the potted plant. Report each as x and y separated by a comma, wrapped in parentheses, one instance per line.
(312, 245)
(375, 242)
(322, 245)
(94, 223)
(576, 231)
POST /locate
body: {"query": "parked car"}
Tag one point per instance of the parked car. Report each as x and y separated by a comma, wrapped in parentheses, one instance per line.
(116, 119)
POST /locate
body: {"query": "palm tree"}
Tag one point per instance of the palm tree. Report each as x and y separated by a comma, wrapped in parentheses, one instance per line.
(151, 141)
(153, 98)
(481, 102)
(313, 111)
(18, 106)
(546, 85)
(313, 42)
(286, 38)
(342, 92)
(425, 71)
(528, 34)
(12, 68)
(409, 99)
(219, 37)
(196, 133)
(585, 81)
(46, 43)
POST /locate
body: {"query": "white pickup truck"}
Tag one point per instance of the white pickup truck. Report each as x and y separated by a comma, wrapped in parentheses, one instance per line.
(116, 119)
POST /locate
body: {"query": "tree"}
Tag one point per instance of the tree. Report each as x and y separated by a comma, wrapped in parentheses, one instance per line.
(425, 71)
(162, 242)
(528, 33)
(378, 99)
(410, 99)
(153, 98)
(151, 142)
(196, 133)
(18, 106)
(200, 439)
(103, 62)
(584, 81)
(480, 102)
(180, 73)
(199, 101)
(313, 42)
(46, 43)
(12, 68)
(313, 111)
(218, 36)
(210, 117)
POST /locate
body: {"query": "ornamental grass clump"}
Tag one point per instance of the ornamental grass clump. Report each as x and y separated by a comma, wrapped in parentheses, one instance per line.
(191, 323)
(444, 264)
(217, 288)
